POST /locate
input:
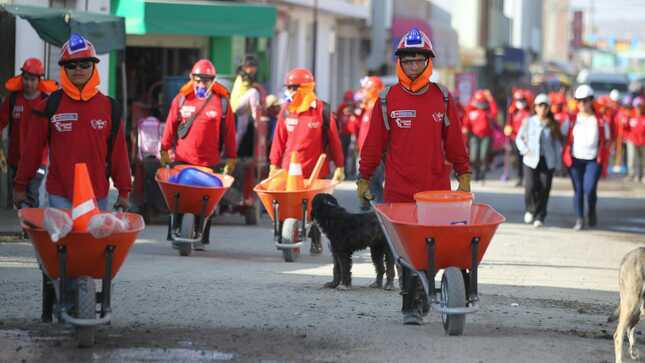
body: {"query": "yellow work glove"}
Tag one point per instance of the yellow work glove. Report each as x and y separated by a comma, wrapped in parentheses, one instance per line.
(339, 175)
(229, 167)
(508, 130)
(363, 189)
(164, 157)
(3, 162)
(464, 182)
(273, 169)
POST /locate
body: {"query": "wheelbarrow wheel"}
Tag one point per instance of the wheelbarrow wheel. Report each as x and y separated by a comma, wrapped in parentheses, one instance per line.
(85, 305)
(453, 294)
(187, 230)
(290, 234)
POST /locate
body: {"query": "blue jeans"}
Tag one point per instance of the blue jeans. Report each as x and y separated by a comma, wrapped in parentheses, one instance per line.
(56, 201)
(33, 186)
(584, 176)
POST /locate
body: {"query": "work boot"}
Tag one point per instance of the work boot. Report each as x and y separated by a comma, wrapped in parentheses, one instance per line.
(412, 317)
(593, 219)
(579, 224)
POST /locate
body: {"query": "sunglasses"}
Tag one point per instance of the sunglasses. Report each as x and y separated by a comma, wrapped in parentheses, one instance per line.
(200, 79)
(407, 62)
(543, 105)
(82, 64)
(293, 87)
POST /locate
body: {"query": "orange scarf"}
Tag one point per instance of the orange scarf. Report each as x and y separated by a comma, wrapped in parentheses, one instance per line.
(417, 84)
(303, 98)
(14, 84)
(89, 89)
(216, 87)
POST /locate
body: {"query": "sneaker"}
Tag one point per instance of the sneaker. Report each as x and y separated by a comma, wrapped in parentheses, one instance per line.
(412, 318)
(528, 217)
(538, 223)
(579, 224)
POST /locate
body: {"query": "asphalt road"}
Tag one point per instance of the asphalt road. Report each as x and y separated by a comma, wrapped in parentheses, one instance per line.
(545, 296)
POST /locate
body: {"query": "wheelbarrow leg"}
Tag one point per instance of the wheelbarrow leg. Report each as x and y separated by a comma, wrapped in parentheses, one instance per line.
(203, 224)
(106, 285)
(49, 295)
(472, 278)
(277, 234)
(432, 270)
(62, 268)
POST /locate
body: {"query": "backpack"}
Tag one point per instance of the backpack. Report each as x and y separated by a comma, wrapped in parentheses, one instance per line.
(52, 106)
(385, 113)
(149, 131)
(222, 123)
(326, 120)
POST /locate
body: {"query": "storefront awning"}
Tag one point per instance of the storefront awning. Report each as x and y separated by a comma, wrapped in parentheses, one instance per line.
(208, 18)
(54, 25)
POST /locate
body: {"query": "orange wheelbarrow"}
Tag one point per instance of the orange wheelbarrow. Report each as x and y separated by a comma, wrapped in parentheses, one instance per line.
(423, 250)
(290, 212)
(195, 204)
(70, 266)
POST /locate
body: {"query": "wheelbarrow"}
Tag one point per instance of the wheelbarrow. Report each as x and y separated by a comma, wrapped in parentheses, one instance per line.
(196, 203)
(290, 212)
(423, 250)
(70, 267)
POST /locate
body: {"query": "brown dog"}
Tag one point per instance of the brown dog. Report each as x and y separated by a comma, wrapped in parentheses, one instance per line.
(631, 280)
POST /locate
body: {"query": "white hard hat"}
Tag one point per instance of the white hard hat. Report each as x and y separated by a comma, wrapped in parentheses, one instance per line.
(583, 91)
(541, 98)
(614, 95)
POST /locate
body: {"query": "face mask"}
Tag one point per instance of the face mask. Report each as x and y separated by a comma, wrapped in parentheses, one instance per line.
(201, 91)
(520, 104)
(287, 96)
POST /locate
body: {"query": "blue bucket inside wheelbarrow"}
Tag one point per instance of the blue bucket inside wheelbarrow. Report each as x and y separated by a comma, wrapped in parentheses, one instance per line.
(196, 178)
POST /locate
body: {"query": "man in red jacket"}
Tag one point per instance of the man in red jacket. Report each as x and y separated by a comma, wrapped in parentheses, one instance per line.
(419, 141)
(25, 91)
(306, 126)
(79, 129)
(477, 125)
(199, 122)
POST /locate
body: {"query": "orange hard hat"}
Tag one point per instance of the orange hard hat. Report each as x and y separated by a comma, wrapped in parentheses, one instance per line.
(519, 95)
(33, 66)
(372, 83)
(77, 48)
(479, 96)
(204, 67)
(348, 96)
(298, 76)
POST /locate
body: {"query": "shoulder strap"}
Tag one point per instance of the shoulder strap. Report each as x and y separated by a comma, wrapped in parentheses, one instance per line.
(222, 122)
(326, 120)
(12, 104)
(184, 127)
(116, 123)
(53, 101)
(383, 102)
(445, 93)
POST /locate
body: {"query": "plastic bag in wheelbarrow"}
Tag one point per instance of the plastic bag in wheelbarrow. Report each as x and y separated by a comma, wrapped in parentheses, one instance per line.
(195, 177)
(105, 224)
(57, 222)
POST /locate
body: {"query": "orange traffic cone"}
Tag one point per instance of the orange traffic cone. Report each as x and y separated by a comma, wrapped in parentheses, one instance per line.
(83, 201)
(295, 181)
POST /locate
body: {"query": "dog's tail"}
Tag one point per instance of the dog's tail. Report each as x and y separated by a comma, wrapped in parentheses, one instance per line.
(613, 316)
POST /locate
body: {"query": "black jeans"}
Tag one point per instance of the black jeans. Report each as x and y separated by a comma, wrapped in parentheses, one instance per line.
(520, 163)
(537, 184)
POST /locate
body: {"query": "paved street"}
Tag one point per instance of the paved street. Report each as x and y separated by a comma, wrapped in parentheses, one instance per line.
(545, 296)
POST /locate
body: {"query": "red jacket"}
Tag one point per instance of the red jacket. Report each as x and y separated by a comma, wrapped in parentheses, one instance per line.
(478, 122)
(515, 120)
(19, 118)
(636, 127)
(567, 151)
(418, 147)
(78, 133)
(201, 144)
(364, 123)
(303, 133)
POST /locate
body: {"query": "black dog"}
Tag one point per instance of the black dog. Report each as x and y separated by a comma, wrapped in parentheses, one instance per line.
(349, 232)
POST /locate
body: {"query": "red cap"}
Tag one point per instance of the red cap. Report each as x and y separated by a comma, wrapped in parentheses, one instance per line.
(33, 66)
(204, 67)
(298, 76)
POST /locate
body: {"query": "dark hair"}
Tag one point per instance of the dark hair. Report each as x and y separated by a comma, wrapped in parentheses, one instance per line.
(553, 125)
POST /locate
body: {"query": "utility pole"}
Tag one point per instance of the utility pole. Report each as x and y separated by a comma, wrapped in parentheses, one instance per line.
(315, 38)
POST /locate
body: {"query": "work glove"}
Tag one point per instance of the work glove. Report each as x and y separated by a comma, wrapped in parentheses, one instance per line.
(19, 199)
(273, 169)
(464, 182)
(339, 175)
(229, 167)
(164, 157)
(122, 203)
(508, 130)
(363, 190)
(3, 162)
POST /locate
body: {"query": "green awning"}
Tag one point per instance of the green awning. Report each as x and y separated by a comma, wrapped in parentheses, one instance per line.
(54, 25)
(207, 18)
